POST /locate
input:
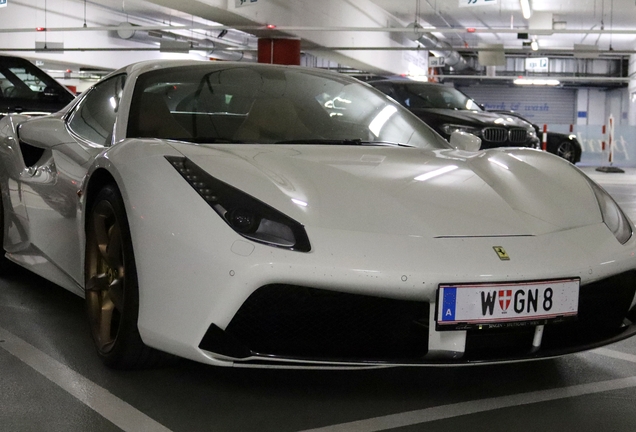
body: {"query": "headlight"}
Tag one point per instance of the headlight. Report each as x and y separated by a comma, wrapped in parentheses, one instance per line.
(450, 128)
(613, 216)
(249, 217)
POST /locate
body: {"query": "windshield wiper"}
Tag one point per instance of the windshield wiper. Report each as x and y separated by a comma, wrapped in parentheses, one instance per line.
(210, 140)
(343, 142)
(322, 141)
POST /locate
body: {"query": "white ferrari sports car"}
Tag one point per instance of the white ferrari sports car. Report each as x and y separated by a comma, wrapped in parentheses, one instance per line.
(254, 215)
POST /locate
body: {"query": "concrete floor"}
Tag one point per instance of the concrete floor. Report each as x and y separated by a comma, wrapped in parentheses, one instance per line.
(51, 380)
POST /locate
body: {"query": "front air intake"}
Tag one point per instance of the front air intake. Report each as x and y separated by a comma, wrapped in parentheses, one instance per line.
(309, 323)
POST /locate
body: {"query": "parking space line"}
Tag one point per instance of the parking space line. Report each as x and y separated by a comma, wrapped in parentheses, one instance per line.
(615, 354)
(113, 409)
(476, 406)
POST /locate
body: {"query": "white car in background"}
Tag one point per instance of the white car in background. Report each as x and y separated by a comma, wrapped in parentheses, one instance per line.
(254, 215)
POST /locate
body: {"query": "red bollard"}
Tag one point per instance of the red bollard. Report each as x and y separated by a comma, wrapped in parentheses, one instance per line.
(603, 142)
(544, 141)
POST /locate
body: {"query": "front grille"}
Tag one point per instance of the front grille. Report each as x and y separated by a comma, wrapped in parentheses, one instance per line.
(290, 321)
(300, 322)
(603, 306)
(518, 135)
(494, 134)
(498, 343)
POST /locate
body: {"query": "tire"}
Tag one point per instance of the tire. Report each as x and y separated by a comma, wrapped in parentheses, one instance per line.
(112, 292)
(567, 150)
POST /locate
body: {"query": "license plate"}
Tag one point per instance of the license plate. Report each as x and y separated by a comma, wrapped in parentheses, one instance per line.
(466, 306)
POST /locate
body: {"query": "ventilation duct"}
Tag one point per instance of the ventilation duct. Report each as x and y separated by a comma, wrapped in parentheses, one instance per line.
(438, 48)
(225, 47)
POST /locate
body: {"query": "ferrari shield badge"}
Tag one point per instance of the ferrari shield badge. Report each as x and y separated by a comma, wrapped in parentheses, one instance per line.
(501, 253)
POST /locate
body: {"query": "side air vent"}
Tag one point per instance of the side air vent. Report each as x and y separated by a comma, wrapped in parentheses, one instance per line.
(30, 154)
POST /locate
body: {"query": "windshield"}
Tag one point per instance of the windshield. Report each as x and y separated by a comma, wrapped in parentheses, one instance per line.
(433, 96)
(265, 104)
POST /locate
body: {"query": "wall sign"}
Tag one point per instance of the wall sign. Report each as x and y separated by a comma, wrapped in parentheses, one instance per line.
(436, 61)
(539, 64)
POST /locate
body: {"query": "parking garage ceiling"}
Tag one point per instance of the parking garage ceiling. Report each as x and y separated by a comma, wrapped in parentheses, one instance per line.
(365, 34)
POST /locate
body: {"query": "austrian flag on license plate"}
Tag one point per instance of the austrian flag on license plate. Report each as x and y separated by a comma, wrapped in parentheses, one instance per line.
(468, 306)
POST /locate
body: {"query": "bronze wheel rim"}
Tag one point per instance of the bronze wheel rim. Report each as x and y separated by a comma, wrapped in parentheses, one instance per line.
(105, 276)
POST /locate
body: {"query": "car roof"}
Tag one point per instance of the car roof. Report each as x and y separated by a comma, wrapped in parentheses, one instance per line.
(407, 81)
(152, 65)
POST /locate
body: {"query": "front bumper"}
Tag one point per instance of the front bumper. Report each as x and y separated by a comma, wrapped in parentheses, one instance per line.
(285, 324)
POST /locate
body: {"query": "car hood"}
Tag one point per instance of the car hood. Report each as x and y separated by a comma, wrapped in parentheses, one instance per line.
(473, 118)
(407, 191)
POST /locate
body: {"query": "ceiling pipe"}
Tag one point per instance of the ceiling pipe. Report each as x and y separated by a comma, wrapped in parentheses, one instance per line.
(438, 48)
(458, 30)
(184, 43)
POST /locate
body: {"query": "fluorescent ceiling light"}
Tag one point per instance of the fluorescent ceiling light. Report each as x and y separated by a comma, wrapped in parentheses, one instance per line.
(530, 81)
(526, 10)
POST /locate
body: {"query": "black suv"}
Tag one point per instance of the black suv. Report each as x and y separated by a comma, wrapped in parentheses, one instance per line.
(26, 88)
(565, 145)
(447, 110)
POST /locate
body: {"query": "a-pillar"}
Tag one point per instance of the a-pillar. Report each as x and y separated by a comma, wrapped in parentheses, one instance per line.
(279, 51)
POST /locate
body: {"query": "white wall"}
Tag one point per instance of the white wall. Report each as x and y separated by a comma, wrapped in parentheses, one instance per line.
(596, 107)
(600, 103)
(616, 104)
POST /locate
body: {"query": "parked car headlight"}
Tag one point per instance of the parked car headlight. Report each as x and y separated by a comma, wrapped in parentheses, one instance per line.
(248, 216)
(613, 216)
(450, 128)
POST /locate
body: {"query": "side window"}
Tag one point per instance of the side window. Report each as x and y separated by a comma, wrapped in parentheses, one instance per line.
(94, 117)
(19, 79)
(18, 83)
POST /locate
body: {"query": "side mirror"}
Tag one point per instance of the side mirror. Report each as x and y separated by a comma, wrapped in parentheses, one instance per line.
(43, 133)
(465, 141)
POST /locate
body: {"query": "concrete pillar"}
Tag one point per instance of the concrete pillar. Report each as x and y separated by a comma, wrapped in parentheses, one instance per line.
(279, 51)
(632, 91)
(582, 106)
